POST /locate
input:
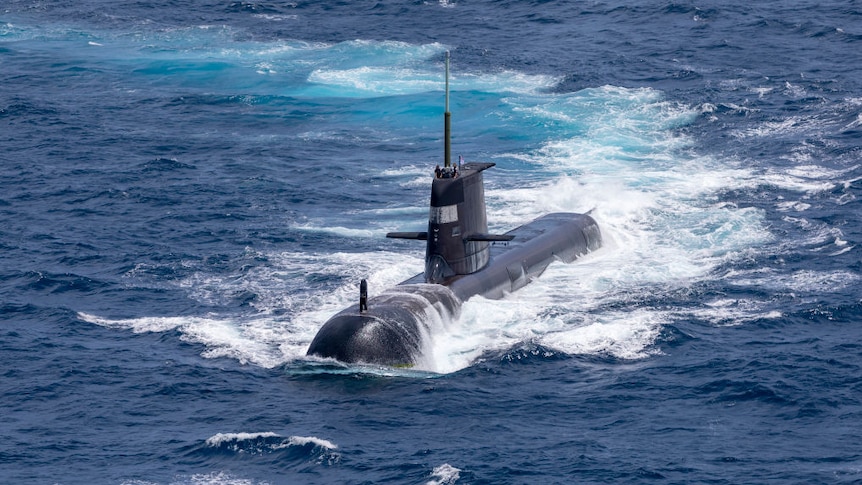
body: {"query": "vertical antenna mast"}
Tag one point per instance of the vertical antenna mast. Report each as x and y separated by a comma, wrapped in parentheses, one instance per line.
(447, 144)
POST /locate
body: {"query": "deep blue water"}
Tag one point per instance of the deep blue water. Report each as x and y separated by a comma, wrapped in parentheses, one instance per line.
(189, 189)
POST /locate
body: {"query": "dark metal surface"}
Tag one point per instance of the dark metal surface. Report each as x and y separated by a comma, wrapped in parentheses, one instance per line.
(394, 329)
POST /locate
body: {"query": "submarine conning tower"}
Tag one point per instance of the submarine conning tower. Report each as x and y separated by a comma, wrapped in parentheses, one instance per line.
(457, 237)
(457, 241)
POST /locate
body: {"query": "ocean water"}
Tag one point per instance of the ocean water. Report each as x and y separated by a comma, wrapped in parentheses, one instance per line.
(188, 190)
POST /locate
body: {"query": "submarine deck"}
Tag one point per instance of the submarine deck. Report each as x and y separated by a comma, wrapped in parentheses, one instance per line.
(560, 236)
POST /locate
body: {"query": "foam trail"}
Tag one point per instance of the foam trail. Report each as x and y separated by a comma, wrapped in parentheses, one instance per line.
(235, 441)
(286, 321)
(444, 474)
(623, 160)
(616, 151)
(304, 448)
(213, 478)
(222, 438)
(246, 342)
(660, 235)
(311, 440)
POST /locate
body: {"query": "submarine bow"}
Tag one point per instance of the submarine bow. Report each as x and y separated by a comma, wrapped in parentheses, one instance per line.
(394, 330)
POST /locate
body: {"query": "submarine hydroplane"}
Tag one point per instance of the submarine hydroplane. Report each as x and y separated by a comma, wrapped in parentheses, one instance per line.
(462, 260)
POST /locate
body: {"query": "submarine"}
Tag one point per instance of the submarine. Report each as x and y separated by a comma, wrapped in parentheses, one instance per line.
(462, 260)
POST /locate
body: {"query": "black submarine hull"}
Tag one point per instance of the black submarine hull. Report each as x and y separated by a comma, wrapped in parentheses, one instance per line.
(396, 328)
